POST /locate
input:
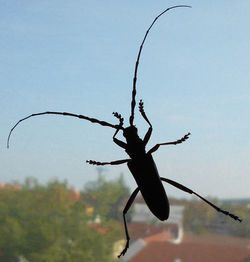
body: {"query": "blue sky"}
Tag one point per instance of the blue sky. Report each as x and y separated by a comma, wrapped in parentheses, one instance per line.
(79, 56)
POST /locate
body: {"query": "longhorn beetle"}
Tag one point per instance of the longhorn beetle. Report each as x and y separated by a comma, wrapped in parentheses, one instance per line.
(140, 163)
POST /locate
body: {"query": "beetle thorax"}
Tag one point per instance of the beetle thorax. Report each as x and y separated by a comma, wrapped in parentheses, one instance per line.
(135, 145)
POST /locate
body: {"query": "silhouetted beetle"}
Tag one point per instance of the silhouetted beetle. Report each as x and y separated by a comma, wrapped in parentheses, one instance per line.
(141, 163)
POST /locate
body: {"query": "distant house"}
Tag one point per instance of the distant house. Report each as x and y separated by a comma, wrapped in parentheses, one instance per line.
(9, 186)
(154, 240)
(141, 214)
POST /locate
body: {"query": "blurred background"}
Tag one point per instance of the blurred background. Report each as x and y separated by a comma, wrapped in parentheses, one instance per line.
(79, 57)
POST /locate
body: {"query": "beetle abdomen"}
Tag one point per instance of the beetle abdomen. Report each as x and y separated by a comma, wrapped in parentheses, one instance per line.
(147, 178)
(157, 201)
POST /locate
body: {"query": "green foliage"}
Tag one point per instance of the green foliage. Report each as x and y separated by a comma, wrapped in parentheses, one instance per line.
(44, 223)
(107, 198)
(238, 229)
(200, 218)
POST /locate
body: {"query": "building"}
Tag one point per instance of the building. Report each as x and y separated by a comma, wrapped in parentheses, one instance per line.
(153, 240)
(142, 215)
(191, 249)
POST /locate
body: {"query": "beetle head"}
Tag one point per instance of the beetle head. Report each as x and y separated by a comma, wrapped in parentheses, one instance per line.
(130, 132)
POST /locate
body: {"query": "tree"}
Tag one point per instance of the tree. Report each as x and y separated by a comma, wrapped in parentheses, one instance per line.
(43, 223)
(107, 197)
(197, 216)
(239, 229)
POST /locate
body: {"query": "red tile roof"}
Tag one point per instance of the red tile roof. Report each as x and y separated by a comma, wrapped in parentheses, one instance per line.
(143, 230)
(160, 237)
(196, 249)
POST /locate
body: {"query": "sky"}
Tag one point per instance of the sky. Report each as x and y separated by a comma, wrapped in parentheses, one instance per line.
(79, 57)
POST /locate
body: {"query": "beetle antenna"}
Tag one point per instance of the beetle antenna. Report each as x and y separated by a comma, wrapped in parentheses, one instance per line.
(138, 59)
(93, 120)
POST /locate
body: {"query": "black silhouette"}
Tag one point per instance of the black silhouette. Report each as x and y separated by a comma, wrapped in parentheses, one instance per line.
(140, 163)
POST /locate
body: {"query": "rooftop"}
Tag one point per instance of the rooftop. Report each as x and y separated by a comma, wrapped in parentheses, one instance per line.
(195, 249)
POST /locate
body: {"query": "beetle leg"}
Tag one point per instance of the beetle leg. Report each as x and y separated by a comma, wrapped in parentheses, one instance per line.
(147, 136)
(117, 162)
(141, 109)
(121, 120)
(188, 190)
(119, 142)
(179, 141)
(125, 210)
(119, 117)
(149, 132)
